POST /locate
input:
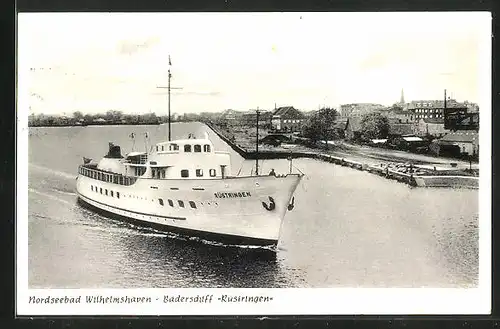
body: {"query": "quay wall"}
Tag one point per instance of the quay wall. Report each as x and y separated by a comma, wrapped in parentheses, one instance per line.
(412, 180)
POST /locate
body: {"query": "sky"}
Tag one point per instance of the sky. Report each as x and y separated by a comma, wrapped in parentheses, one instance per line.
(94, 62)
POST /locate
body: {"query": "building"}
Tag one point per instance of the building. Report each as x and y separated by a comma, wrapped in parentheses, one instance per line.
(249, 118)
(463, 143)
(353, 128)
(287, 119)
(431, 127)
(470, 122)
(402, 116)
(359, 109)
(471, 107)
(409, 143)
(230, 117)
(459, 119)
(430, 109)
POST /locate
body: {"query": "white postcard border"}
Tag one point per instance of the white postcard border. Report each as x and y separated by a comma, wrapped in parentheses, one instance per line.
(284, 301)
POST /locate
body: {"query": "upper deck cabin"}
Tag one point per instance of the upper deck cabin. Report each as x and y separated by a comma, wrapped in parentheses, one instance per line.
(185, 146)
(187, 158)
(179, 159)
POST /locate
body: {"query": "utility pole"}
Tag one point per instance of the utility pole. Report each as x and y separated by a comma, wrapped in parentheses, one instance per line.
(169, 119)
(257, 146)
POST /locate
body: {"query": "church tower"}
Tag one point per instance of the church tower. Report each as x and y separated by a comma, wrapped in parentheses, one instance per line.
(402, 100)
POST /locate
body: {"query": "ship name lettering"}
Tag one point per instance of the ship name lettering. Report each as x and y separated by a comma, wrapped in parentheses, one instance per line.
(222, 195)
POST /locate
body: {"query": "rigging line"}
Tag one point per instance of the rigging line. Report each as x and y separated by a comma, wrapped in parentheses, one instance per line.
(299, 170)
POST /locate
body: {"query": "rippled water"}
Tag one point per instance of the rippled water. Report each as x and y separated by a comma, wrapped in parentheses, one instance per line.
(348, 229)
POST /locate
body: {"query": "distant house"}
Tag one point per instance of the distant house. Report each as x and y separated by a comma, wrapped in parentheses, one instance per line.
(249, 118)
(431, 126)
(402, 116)
(353, 128)
(230, 117)
(431, 109)
(409, 143)
(100, 121)
(471, 107)
(470, 121)
(465, 143)
(287, 119)
(359, 109)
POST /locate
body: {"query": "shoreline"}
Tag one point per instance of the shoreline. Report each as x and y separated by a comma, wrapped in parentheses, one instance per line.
(422, 177)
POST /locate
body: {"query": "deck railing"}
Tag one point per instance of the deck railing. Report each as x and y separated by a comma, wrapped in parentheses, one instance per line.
(106, 176)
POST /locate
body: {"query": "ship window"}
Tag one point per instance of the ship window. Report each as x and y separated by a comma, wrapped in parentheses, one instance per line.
(160, 201)
(118, 195)
(187, 148)
(176, 147)
(181, 203)
(192, 204)
(206, 148)
(162, 148)
(184, 173)
(100, 190)
(153, 173)
(212, 173)
(112, 193)
(92, 187)
(197, 148)
(156, 148)
(170, 203)
(199, 172)
(106, 191)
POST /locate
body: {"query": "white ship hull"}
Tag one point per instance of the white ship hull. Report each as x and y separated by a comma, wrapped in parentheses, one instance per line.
(229, 210)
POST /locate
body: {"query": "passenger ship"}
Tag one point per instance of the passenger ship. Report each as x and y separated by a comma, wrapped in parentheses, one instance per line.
(185, 186)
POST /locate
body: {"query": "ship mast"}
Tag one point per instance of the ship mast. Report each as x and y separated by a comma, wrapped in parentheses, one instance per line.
(169, 89)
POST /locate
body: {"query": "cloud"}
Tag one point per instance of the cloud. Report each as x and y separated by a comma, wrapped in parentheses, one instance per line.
(126, 47)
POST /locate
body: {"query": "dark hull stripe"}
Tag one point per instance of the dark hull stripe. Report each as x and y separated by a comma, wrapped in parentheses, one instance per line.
(209, 236)
(136, 212)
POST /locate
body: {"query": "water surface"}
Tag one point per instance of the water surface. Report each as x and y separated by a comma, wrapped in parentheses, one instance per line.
(349, 228)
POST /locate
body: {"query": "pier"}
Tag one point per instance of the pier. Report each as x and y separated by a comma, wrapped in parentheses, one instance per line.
(422, 178)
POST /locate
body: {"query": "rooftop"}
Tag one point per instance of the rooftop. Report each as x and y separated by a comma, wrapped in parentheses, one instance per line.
(354, 123)
(464, 137)
(451, 103)
(287, 110)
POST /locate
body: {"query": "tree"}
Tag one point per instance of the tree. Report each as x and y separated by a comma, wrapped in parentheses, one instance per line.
(77, 115)
(374, 125)
(113, 116)
(396, 108)
(320, 126)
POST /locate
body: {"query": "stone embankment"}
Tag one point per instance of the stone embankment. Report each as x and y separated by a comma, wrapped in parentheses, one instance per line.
(414, 175)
